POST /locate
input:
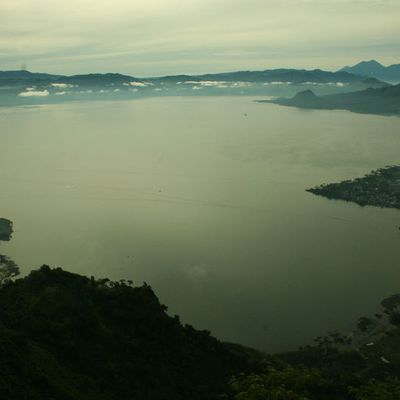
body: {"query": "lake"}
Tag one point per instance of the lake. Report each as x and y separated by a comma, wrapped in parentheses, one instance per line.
(204, 199)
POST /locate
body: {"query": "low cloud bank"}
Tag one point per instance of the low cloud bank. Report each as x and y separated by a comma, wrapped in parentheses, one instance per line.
(62, 85)
(34, 93)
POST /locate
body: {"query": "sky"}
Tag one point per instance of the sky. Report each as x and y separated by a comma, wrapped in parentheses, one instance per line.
(161, 37)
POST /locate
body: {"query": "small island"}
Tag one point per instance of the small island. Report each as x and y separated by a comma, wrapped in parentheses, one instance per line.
(380, 188)
(6, 229)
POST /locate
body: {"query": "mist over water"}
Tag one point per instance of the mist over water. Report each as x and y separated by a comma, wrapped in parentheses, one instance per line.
(203, 198)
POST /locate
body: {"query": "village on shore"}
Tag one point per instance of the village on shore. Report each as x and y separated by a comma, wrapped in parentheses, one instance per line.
(380, 188)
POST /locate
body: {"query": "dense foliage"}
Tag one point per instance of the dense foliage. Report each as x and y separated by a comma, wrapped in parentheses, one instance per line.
(388, 389)
(308, 384)
(287, 383)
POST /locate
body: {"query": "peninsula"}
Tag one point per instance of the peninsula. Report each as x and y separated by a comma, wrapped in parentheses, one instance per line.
(380, 188)
(379, 101)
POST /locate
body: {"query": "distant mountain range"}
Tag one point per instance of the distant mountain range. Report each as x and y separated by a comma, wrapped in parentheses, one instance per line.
(382, 101)
(347, 75)
(285, 76)
(376, 70)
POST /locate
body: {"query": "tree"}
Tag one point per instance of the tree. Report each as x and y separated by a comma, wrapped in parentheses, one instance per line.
(288, 383)
(8, 269)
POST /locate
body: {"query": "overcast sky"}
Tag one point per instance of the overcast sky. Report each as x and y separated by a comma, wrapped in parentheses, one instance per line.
(156, 37)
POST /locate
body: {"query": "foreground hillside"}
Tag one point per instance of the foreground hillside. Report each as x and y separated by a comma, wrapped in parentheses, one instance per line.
(68, 337)
(64, 336)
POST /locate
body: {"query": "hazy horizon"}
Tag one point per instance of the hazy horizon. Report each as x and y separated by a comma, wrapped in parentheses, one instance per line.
(155, 38)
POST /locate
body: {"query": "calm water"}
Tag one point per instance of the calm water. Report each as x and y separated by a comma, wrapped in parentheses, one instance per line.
(203, 198)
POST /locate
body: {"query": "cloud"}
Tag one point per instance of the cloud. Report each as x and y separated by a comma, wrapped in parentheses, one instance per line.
(140, 84)
(34, 93)
(277, 83)
(203, 83)
(217, 84)
(62, 85)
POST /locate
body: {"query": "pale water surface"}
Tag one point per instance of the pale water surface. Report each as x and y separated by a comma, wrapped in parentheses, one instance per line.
(204, 199)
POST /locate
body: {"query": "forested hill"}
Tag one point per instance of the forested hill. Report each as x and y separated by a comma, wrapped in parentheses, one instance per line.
(68, 337)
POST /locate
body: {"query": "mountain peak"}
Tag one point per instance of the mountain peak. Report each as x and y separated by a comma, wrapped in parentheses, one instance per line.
(371, 65)
(374, 69)
(305, 95)
(370, 68)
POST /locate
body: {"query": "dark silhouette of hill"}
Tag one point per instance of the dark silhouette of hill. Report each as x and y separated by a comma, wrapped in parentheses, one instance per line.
(98, 79)
(26, 75)
(65, 336)
(24, 78)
